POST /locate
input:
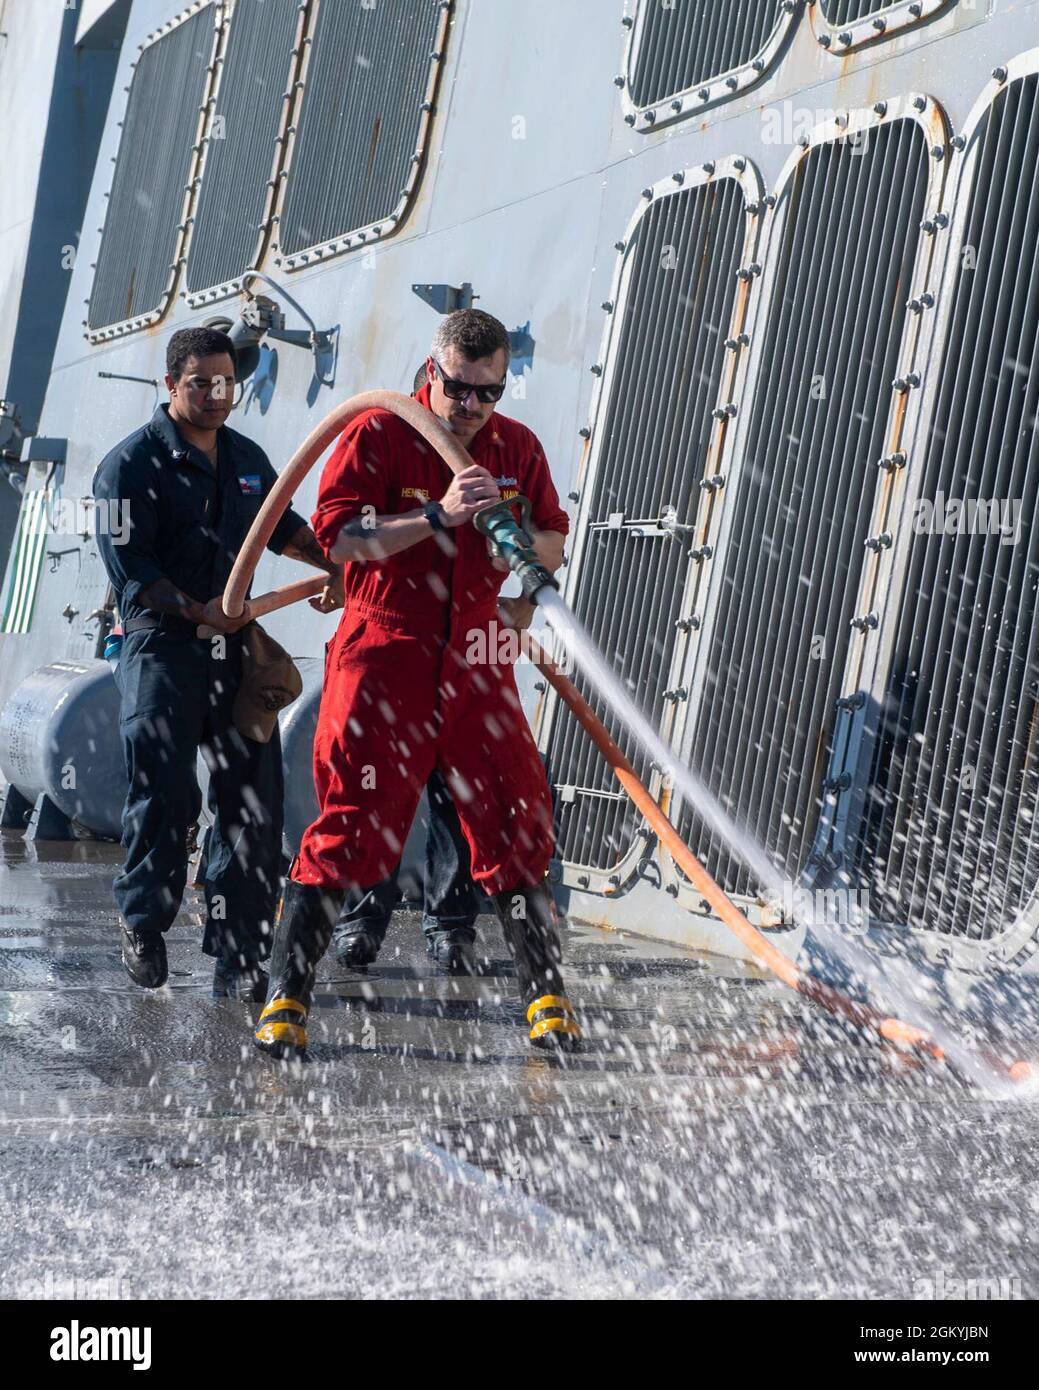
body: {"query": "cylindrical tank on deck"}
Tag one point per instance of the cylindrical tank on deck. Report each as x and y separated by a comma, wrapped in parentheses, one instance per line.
(59, 734)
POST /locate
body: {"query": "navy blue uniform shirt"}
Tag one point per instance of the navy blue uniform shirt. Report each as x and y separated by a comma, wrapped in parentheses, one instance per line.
(186, 522)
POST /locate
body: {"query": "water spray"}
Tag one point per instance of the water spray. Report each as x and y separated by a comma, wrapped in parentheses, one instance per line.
(763, 951)
(512, 541)
(933, 1041)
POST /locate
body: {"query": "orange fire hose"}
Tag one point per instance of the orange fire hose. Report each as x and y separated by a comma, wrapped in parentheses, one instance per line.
(892, 1030)
(297, 468)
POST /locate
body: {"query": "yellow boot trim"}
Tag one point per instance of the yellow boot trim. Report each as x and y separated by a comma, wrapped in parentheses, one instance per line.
(549, 1001)
(278, 1004)
(556, 1025)
(282, 1033)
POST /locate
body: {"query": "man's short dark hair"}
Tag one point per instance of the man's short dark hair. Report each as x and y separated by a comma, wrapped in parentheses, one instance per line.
(474, 333)
(196, 342)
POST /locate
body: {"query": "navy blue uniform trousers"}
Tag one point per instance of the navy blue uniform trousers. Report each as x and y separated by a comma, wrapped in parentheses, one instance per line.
(177, 693)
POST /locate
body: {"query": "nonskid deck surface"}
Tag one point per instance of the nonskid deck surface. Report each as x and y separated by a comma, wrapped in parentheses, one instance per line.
(718, 1137)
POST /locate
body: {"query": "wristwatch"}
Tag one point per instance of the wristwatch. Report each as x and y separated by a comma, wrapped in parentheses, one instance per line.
(431, 511)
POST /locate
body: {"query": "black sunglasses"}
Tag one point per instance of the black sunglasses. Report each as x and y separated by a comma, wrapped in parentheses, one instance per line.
(458, 390)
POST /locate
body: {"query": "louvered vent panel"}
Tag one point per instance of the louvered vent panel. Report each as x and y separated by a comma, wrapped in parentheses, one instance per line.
(683, 45)
(135, 267)
(850, 11)
(240, 162)
(360, 119)
(951, 836)
(789, 571)
(668, 359)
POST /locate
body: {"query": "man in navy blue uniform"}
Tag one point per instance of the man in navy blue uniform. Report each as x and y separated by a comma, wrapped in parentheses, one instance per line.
(191, 488)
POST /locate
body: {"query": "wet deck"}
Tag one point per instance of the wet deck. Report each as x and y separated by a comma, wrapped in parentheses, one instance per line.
(718, 1137)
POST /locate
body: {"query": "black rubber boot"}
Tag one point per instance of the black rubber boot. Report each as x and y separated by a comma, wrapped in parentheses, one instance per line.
(528, 919)
(356, 950)
(246, 983)
(305, 921)
(358, 940)
(452, 949)
(359, 934)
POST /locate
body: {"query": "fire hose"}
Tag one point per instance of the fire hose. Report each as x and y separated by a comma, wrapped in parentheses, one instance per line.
(515, 545)
(496, 521)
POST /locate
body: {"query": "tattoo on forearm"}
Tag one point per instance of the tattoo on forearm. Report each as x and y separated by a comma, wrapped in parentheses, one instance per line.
(382, 536)
(304, 546)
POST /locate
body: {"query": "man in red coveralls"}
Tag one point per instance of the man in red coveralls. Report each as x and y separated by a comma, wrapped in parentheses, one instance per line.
(401, 696)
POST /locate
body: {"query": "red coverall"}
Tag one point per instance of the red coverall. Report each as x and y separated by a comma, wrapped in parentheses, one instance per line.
(399, 695)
